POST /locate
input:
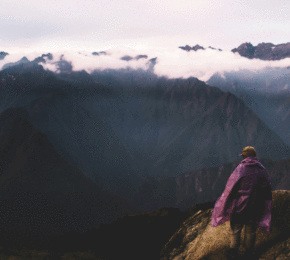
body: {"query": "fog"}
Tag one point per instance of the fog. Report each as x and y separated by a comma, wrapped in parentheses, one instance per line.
(170, 62)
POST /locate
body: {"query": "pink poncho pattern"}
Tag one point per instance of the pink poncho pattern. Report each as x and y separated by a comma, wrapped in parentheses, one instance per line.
(247, 196)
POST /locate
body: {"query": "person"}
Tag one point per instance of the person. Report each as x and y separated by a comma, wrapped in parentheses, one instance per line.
(246, 201)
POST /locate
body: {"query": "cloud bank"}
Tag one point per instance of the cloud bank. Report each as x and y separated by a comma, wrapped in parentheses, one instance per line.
(170, 62)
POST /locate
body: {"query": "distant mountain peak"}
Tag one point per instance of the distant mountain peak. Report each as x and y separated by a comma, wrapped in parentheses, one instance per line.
(264, 51)
(214, 48)
(128, 58)
(141, 57)
(99, 53)
(196, 48)
(41, 59)
(3, 54)
(22, 61)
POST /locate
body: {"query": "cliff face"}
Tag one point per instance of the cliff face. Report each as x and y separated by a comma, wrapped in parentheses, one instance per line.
(40, 193)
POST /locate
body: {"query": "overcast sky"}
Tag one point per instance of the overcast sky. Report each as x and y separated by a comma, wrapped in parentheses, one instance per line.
(149, 27)
(101, 24)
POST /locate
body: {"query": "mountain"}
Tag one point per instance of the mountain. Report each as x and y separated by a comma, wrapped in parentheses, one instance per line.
(124, 129)
(41, 195)
(265, 92)
(127, 130)
(99, 53)
(264, 51)
(3, 54)
(128, 58)
(23, 60)
(190, 111)
(42, 58)
(136, 141)
(195, 48)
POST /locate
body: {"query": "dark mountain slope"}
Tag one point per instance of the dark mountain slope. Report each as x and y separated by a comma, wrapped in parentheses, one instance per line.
(266, 93)
(41, 194)
(130, 234)
(202, 120)
(144, 127)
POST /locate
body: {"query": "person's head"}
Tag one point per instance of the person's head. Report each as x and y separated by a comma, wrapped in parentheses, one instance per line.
(248, 151)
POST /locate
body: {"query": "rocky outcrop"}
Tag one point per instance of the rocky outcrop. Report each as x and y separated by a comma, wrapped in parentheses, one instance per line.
(264, 51)
(197, 240)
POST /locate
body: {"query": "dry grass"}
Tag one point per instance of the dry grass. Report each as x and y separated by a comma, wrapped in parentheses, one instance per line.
(214, 241)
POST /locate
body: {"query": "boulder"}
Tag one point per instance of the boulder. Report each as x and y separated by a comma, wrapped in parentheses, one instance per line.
(197, 240)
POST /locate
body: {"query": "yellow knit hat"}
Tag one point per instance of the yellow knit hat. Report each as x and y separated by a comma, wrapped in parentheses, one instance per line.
(248, 151)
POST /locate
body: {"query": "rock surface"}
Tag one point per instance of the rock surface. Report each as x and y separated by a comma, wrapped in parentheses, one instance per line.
(197, 240)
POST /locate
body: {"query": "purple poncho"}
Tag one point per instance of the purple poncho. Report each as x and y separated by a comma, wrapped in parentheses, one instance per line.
(247, 196)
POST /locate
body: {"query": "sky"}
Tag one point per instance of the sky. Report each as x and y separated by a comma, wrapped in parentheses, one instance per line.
(154, 28)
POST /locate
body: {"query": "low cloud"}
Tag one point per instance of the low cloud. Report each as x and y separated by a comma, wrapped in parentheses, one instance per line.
(170, 62)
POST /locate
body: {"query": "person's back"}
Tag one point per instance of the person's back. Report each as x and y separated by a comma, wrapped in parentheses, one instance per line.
(255, 186)
(246, 200)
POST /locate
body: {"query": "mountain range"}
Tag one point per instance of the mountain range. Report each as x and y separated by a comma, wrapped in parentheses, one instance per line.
(263, 51)
(139, 141)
